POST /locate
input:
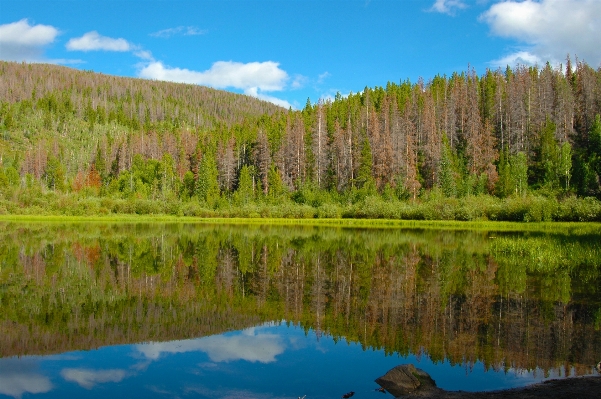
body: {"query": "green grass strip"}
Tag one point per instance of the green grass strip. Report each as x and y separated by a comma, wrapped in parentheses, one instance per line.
(563, 227)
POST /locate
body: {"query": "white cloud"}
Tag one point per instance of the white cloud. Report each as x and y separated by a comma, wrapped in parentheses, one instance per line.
(550, 29)
(518, 58)
(323, 76)
(88, 378)
(18, 376)
(254, 92)
(299, 81)
(262, 348)
(448, 6)
(92, 41)
(180, 30)
(23, 34)
(144, 55)
(20, 41)
(267, 76)
(253, 78)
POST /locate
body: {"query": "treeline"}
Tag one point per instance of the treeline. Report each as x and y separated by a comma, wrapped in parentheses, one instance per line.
(520, 133)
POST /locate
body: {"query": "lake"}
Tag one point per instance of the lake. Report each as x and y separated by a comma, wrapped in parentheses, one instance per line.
(208, 311)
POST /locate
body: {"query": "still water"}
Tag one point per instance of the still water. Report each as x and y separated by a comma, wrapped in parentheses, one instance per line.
(189, 310)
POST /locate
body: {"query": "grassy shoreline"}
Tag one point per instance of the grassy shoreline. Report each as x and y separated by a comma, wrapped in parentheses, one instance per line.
(342, 223)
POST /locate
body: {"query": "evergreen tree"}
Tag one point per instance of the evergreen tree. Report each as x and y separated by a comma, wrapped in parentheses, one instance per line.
(364, 173)
(519, 173)
(100, 164)
(277, 189)
(207, 186)
(245, 192)
(549, 154)
(447, 180)
(54, 174)
(565, 164)
(504, 183)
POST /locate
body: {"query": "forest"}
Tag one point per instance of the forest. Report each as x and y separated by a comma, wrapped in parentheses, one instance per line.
(520, 144)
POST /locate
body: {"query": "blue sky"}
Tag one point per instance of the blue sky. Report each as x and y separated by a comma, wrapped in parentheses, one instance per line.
(286, 51)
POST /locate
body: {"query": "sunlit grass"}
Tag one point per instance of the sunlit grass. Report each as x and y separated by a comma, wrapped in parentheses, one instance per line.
(563, 227)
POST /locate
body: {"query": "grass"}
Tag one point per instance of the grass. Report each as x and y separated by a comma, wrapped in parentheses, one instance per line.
(563, 227)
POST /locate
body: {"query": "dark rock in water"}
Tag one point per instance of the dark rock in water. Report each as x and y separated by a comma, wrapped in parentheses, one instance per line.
(406, 379)
(348, 395)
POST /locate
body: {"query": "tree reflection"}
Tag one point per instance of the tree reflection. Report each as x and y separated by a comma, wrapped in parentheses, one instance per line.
(510, 300)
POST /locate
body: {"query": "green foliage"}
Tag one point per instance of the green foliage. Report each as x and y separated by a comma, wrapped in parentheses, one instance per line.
(188, 185)
(518, 168)
(565, 165)
(277, 190)
(447, 173)
(179, 144)
(364, 174)
(207, 186)
(513, 174)
(595, 145)
(548, 157)
(245, 193)
(54, 174)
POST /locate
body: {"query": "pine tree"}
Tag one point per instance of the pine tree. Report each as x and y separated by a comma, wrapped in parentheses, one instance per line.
(519, 173)
(446, 174)
(320, 144)
(245, 193)
(549, 156)
(504, 183)
(54, 174)
(364, 173)
(565, 164)
(207, 186)
(263, 160)
(277, 189)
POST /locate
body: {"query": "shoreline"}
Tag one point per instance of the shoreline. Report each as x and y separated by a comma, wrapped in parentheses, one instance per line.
(582, 387)
(318, 222)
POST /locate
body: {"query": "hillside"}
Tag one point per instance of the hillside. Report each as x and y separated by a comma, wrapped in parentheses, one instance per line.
(42, 102)
(130, 101)
(520, 140)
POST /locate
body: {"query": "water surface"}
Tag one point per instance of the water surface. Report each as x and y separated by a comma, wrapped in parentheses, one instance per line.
(184, 310)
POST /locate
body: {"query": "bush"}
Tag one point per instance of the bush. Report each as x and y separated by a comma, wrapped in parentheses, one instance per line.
(513, 209)
(195, 209)
(540, 209)
(574, 209)
(329, 211)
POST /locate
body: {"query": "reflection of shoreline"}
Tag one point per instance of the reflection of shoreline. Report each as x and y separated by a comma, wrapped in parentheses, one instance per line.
(586, 387)
(402, 291)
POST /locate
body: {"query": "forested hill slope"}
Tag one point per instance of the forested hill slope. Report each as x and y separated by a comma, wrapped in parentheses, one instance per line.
(129, 101)
(505, 135)
(50, 112)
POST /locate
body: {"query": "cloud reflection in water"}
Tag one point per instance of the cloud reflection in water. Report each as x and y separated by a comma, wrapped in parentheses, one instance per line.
(249, 345)
(19, 376)
(87, 378)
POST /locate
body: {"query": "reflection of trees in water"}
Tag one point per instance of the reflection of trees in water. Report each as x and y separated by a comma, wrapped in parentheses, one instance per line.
(450, 295)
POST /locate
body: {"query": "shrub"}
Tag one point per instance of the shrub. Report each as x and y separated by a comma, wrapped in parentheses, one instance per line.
(574, 209)
(540, 209)
(329, 211)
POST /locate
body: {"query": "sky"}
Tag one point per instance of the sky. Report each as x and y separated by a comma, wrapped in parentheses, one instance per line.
(288, 51)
